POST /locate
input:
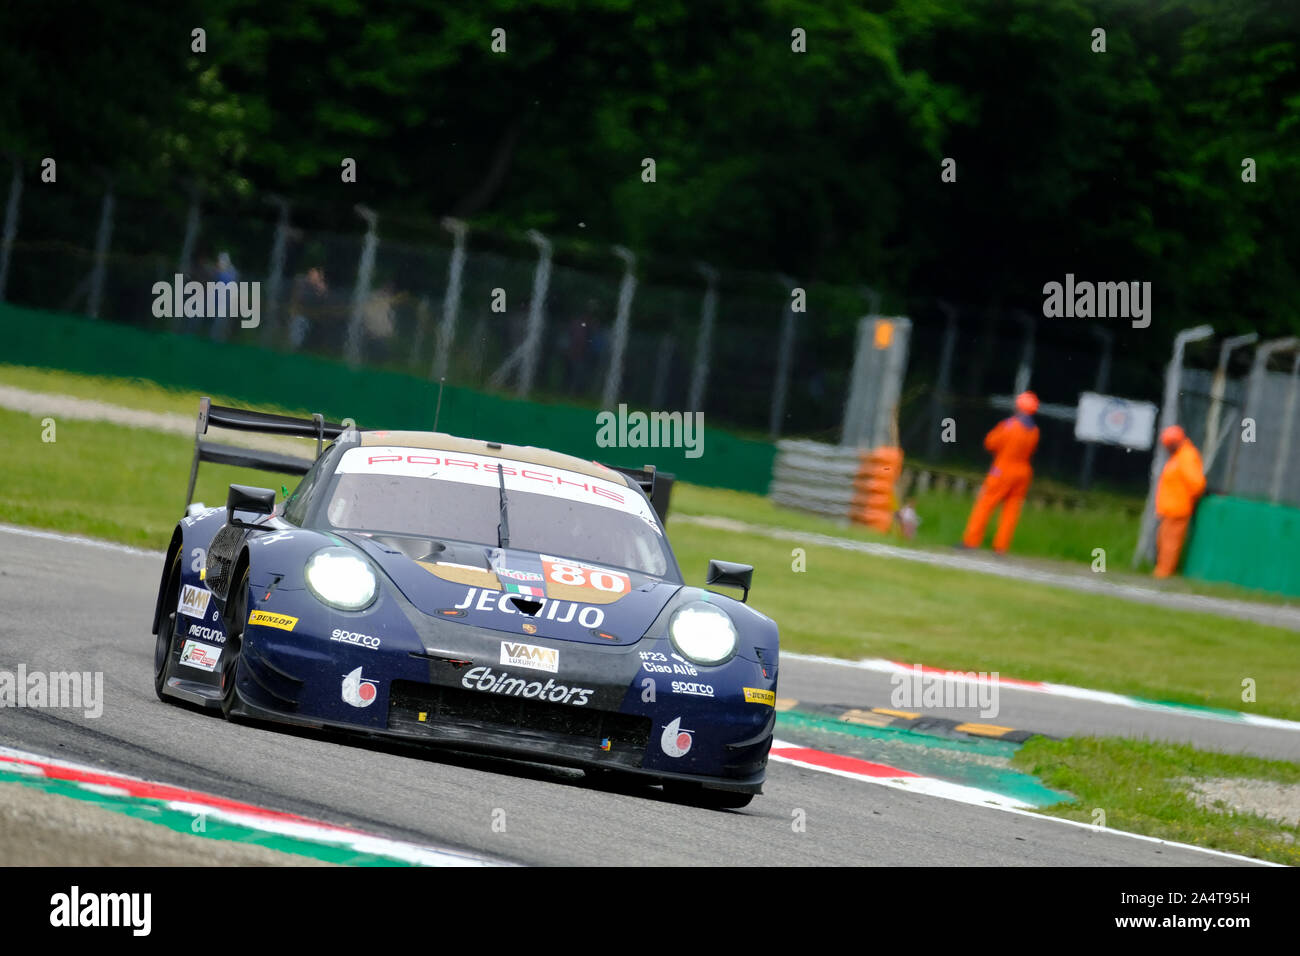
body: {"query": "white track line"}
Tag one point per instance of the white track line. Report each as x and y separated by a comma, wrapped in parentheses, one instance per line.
(910, 784)
(1271, 615)
(883, 666)
(79, 539)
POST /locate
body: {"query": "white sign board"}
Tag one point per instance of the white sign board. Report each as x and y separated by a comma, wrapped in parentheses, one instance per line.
(1115, 421)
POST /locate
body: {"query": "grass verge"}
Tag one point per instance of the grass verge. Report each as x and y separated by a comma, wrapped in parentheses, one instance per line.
(1140, 786)
(126, 484)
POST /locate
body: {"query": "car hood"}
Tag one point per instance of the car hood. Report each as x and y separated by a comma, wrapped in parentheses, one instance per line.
(524, 593)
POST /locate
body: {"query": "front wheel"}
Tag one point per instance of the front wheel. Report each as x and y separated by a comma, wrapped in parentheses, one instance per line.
(163, 646)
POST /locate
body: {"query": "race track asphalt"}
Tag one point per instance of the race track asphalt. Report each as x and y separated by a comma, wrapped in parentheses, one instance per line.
(70, 605)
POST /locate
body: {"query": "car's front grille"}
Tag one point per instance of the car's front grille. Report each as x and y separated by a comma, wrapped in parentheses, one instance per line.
(450, 715)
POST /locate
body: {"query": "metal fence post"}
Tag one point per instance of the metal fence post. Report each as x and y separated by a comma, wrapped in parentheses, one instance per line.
(275, 274)
(11, 223)
(1103, 382)
(1024, 371)
(943, 381)
(361, 291)
(536, 313)
(1217, 389)
(193, 220)
(102, 238)
(451, 298)
(704, 338)
(1168, 416)
(663, 362)
(783, 358)
(626, 290)
(1258, 369)
(1288, 422)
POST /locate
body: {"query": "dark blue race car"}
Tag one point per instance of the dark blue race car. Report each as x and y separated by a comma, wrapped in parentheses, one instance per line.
(468, 594)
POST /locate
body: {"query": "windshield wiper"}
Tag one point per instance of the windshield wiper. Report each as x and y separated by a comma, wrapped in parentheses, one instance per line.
(503, 527)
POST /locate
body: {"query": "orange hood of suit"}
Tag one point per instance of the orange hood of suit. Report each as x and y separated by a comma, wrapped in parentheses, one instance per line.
(1012, 442)
(1182, 481)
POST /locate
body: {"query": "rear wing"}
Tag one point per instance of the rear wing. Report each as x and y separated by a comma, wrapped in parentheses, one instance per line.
(241, 419)
(657, 485)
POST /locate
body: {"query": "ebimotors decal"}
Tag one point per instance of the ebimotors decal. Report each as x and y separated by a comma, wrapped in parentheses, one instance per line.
(529, 655)
(490, 682)
(481, 470)
(674, 741)
(358, 691)
(194, 654)
(194, 601)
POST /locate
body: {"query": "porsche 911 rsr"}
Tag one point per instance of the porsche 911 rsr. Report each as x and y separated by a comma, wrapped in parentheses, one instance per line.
(468, 594)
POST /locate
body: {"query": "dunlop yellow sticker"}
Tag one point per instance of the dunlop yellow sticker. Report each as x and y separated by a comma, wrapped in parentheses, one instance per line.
(755, 696)
(283, 621)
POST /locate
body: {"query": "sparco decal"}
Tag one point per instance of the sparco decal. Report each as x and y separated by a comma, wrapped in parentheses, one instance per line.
(194, 601)
(529, 655)
(206, 633)
(354, 637)
(358, 691)
(492, 682)
(675, 741)
(690, 687)
(561, 612)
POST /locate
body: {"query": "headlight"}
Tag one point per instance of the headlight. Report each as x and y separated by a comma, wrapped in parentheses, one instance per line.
(703, 633)
(340, 579)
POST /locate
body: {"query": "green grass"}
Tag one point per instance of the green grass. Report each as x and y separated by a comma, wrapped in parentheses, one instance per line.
(854, 605)
(128, 393)
(1048, 534)
(1042, 532)
(1137, 784)
(108, 481)
(127, 485)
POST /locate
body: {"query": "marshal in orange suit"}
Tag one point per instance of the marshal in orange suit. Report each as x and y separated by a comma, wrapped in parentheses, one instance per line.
(1182, 482)
(1012, 442)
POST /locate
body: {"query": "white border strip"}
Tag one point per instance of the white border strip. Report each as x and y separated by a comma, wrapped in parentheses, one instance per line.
(281, 823)
(1005, 806)
(79, 539)
(883, 666)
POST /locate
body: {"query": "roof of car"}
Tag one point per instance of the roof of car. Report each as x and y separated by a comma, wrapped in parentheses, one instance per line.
(440, 441)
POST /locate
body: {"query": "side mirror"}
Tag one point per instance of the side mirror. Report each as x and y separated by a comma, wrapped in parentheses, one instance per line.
(244, 498)
(731, 575)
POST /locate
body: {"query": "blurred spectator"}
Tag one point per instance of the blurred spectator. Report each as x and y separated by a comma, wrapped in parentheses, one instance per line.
(225, 272)
(307, 305)
(907, 520)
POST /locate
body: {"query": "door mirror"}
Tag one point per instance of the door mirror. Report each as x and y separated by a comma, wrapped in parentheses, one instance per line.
(731, 575)
(248, 500)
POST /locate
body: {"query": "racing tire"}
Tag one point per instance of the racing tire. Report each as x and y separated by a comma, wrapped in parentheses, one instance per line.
(238, 606)
(166, 641)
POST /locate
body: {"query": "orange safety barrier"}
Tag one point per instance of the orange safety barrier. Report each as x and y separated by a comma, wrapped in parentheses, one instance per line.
(874, 501)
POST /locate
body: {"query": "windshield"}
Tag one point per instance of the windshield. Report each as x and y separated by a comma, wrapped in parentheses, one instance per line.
(433, 494)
